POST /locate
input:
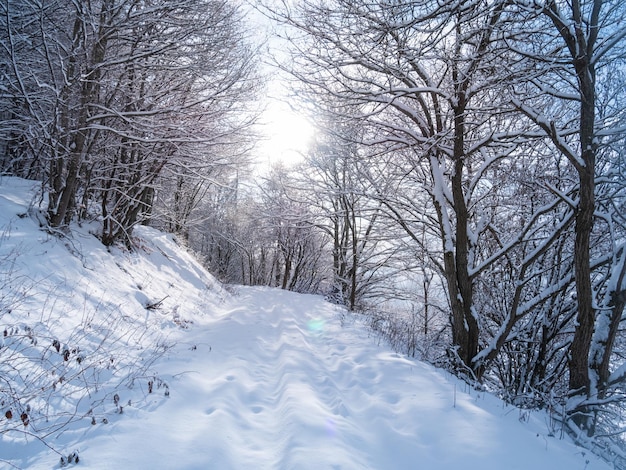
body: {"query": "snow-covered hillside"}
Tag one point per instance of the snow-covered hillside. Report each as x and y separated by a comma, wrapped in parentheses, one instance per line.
(141, 360)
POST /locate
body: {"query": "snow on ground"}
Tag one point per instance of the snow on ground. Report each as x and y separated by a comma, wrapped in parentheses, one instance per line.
(191, 377)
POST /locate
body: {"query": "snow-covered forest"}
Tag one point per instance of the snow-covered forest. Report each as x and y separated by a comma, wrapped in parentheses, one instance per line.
(464, 193)
(133, 359)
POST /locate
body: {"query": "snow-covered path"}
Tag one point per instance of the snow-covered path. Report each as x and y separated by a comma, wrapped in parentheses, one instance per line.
(275, 382)
(265, 379)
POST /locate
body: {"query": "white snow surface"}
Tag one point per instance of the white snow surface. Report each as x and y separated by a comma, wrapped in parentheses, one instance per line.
(244, 378)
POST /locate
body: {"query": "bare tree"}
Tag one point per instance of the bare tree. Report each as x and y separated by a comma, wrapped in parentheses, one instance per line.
(300, 251)
(331, 181)
(421, 76)
(130, 89)
(574, 44)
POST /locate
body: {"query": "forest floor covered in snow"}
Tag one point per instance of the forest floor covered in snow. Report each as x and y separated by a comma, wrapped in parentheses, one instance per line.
(141, 360)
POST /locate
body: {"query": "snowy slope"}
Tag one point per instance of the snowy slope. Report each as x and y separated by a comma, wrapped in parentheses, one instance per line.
(260, 379)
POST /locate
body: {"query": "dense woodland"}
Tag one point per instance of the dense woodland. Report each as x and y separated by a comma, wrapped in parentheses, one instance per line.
(466, 188)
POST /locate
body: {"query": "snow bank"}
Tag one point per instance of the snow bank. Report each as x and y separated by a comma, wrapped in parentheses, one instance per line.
(81, 326)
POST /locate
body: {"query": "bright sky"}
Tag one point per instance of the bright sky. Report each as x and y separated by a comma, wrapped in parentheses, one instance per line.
(287, 134)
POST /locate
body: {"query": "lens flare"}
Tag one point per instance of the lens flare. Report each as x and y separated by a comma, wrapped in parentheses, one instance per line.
(331, 429)
(316, 326)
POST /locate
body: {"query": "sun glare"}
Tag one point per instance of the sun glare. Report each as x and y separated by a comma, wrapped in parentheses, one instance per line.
(287, 135)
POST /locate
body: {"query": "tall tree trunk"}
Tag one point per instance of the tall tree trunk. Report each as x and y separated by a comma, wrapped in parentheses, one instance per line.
(89, 85)
(579, 37)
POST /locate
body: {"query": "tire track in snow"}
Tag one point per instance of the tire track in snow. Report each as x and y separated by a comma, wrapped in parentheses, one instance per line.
(325, 406)
(289, 390)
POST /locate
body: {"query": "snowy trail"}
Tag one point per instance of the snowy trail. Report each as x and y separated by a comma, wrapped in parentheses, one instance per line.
(266, 379)
(277, 383)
